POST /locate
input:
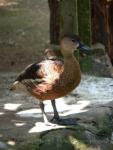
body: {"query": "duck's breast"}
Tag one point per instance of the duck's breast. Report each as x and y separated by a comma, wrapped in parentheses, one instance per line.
(50, 88)
(58, 80)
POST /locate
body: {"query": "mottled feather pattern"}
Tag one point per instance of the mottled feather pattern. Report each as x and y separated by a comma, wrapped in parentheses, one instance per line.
(31, 83)
(35, 75)
(29, 72)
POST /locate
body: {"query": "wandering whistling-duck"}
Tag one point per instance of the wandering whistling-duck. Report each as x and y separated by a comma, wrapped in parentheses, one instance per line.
(54, 77)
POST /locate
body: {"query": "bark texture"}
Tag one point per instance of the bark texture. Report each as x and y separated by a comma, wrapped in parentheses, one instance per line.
(102, 22)
(54, 21)
(70, 17)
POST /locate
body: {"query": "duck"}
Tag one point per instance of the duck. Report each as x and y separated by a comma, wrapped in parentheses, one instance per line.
(53, 77)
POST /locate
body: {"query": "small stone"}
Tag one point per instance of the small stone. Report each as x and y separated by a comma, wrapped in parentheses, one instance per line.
(3, 145)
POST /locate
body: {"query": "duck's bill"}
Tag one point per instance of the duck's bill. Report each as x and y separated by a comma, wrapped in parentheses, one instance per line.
(85, 49)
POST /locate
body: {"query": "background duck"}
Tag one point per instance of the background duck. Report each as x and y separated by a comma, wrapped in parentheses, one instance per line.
(53, 78)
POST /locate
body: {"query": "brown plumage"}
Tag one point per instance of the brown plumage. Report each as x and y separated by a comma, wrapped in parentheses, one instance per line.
(52, 78)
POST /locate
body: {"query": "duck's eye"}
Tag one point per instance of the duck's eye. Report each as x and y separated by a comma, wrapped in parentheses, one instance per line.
(73, 40)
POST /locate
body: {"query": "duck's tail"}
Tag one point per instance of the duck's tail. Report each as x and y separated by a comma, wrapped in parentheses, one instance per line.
(14, 86)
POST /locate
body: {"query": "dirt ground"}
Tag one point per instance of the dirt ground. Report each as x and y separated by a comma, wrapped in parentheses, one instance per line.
(24, 32)
(19, 112)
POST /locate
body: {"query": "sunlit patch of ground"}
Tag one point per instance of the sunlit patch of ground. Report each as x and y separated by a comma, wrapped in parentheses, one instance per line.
(20, 113)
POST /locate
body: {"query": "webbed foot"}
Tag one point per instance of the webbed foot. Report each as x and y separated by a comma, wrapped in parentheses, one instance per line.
(66, 121)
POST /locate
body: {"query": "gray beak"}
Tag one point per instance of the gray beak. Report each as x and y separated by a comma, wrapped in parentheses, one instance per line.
(85, 49)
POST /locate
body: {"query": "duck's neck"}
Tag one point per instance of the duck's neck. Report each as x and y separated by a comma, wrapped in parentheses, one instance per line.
(70, 61)
(71, 66)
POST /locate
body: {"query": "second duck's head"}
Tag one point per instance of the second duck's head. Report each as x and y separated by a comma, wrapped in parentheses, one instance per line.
(70, 43)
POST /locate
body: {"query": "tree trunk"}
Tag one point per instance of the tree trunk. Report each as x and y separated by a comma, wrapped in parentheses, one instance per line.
(70, 17)
(54, 21)
(84, 20)
(102, 24)
(111, 30)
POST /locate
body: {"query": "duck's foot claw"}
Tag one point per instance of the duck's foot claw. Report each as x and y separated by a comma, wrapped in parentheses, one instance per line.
(69, 121)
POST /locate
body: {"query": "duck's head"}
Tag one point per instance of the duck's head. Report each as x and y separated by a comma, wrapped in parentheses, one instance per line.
(70, 43)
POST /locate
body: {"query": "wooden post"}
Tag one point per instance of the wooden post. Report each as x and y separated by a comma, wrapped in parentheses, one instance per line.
(68, 17)
(54, 21)
(111, 30)
(84, 20)
(102, 24)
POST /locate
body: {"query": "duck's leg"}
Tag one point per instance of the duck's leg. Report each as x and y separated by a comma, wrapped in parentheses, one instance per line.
(56, 115)
(46, 121)
(41, 104)
(56, 118)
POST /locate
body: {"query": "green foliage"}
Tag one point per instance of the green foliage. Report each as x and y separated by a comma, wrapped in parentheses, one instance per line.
(86, 63)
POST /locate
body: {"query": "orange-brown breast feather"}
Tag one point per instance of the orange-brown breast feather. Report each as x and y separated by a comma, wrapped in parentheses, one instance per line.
(40, 79)
(51, 71)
